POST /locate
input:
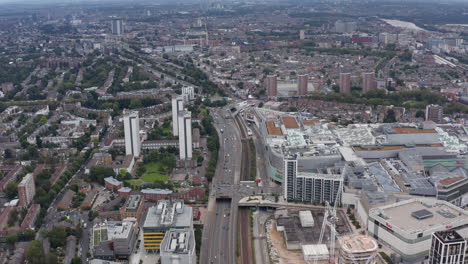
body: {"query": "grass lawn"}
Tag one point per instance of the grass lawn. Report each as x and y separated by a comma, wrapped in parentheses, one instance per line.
(135, 183)
(153, 172)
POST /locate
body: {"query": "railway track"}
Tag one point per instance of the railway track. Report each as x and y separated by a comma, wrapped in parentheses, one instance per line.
(244, 221)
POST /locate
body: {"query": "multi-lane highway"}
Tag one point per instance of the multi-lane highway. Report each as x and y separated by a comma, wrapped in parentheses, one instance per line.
(219, 234)
(224, 222)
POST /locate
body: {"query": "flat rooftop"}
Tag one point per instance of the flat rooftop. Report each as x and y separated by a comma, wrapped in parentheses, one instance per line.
(116, 230)
(177, 242)
(167, 214)
(133, 202)
(290, 122)
(310, 122)
(412, 130)
(358, 243)
(449, 236)
(419, 215)
(392, 147)
(112, 181)
(272, 129)
(451, 180)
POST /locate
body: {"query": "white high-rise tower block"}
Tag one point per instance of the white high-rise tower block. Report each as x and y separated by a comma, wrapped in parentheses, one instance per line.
(185, 135)
(132, 133)
(177, 106)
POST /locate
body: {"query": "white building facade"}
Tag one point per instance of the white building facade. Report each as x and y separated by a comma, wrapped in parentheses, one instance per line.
(185, 135)
(132, 133)
(177, 106)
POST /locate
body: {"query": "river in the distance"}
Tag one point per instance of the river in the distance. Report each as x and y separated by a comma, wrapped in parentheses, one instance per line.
(403, 24)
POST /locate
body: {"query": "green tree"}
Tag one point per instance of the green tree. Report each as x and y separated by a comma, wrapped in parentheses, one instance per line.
(98, 174)
(11, 189)
(420, 113)
(35, 253)
(27, 235)
(43, 120)
(52, 259)
(57, 237)
(76, 260)
(13, 217)
(135, 103)
(200, 159)
(8, 154)
(390, 117)
(11, 239)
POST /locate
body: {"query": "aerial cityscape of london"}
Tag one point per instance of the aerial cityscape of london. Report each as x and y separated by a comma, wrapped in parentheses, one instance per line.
(233, 132)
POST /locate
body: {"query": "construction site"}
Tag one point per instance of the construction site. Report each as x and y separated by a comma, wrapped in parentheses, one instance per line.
(317, 235)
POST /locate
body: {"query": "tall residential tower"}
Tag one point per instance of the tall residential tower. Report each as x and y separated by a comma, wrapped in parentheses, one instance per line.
(132, 133)
(177, 106)
(26, 190)
(117, 26)
(345, 82)
(185, 135)
(302, 82)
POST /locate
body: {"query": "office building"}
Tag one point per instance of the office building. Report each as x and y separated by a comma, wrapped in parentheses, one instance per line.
(368, 82)
(407, 226)
(133, 207)
(132, 133)
(26, 190)
(178, 246)
(120, 235)
(302, 82)
(452, 189)
(177, 106)
(188, 93)
(447, 247)
(345, 82)
(166, 215)
(117, 26)
(357, 249)
(434, 113)
(185, 135)
(318, 187)
(271, 85)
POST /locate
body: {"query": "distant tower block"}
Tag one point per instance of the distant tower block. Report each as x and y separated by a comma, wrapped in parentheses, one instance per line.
(302, 81)
(132, 133)
(26, 190)
(368, 82)
(302, 35)
(434, 113)
(271, 85)
(177, 106)
(117, 26)
(345, 82)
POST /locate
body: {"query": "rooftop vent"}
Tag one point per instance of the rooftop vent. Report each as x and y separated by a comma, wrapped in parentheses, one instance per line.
(422, 214)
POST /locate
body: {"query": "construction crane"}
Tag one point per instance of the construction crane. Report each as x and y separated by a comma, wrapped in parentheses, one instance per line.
(330, 219)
